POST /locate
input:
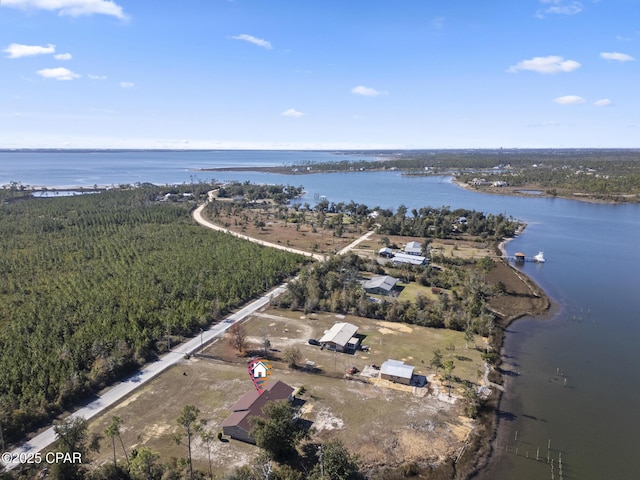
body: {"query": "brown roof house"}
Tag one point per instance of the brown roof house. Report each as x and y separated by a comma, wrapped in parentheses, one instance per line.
(237, 425)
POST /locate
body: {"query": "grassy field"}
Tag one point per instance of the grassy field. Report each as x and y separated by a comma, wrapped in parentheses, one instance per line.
(368, 417)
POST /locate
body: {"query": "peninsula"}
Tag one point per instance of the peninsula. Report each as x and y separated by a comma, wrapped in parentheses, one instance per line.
(600, 175)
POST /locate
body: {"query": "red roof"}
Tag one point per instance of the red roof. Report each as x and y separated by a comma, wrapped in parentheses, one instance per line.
(252, 403)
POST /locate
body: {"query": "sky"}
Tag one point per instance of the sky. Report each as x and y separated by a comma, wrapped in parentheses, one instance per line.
(331, 74)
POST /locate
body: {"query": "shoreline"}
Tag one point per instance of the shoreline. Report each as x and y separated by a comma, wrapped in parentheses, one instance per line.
(526, 299)
(506, 191)
(577, 196)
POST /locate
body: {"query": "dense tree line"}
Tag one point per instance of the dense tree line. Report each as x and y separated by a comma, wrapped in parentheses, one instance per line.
(93, 286)
(335, 286)
(252, 191)
(444, 223)
(443, 160)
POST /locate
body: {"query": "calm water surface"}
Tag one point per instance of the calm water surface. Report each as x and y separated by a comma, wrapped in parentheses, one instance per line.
(593, 256)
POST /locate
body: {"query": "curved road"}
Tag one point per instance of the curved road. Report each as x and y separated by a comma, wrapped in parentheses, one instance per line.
(197, 216)
(112, 396)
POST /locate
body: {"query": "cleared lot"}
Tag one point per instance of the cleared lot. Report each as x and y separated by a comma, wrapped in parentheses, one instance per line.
(384, 425)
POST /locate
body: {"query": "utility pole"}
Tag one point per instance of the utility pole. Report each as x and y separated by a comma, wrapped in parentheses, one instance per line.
(321, 458)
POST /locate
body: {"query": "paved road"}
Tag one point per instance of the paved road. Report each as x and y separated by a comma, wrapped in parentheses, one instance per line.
(118, 392)
(112, 396)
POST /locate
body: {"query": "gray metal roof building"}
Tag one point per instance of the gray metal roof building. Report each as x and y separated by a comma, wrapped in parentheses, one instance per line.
(396, 371)
(383, 284)
(410, 259)
(341, 336)
(413, 248)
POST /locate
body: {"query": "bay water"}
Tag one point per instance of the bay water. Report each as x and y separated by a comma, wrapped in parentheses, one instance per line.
(575, 374)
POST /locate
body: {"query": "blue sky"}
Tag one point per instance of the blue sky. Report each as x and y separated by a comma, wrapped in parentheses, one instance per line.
(311, 74)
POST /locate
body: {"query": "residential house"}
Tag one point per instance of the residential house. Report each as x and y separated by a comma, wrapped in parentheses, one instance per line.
(381, 285)
(341, 338)
(413, 248)
(238, 425)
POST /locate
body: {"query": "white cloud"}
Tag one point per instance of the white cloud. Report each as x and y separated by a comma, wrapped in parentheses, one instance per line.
(72, 8)
(560, 7)
(292, 112)
(59, 73)
(545, 65)
(63, 56)
(620, 57)
(16, 50)
(604, 102)
(569, 100)
(127, 84)
(97, 77)
(366, 91)
(255, 40)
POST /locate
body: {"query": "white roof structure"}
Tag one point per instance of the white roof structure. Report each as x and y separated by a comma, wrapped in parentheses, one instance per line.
(396, 368)
(340, 334)
(413, 248)
(384, 282)
(412, 259)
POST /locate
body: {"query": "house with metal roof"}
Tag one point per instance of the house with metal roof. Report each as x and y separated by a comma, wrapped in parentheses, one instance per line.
(238, 425)
(385, 252)
(413, 248)
(341, 338)
(381, 285)
(396, 371)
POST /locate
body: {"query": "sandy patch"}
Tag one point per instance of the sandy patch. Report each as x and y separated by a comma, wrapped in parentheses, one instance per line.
(462, 430)
(129, 400)
(386, 331)
(399, 327)
(325, 420)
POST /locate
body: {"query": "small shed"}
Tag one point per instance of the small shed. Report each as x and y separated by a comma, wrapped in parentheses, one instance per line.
(385, 252)
(396, 371)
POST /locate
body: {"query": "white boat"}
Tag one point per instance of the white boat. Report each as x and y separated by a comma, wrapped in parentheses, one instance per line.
(539, 257)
